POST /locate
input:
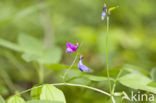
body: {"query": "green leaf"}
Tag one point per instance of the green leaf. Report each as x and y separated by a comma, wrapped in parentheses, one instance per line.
(43, 101)
(33, 50)
(96, 78)
(30, 57)
(153, 74)
(35, 93)
(152, 84)
(112, 8)
(3, 90)
(137, 81)
(15, 99)
(50, 92)
(1, 99)
(10, 45)
(51, 56)
(30, 44)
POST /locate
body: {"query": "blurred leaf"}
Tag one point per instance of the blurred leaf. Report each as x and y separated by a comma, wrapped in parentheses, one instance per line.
(111, 9)
(96, 78)
(43, 101)
(152, 84)
(135, 69)
(24, 13)
(1, 99)
(137, 81)
(113, 71)
(30, 44)
(30, 57)
(3, 90)
(34, 51)
(51, 56)
(35, 93)
(10, 45)
(50, 92)
(153, 74)
(58, 66)
(15, 99)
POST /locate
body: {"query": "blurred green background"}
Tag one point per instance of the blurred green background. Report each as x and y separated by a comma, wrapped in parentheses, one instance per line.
(55, 22)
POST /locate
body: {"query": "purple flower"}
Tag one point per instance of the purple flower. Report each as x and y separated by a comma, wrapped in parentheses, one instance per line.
(103, 15)
(81, 66)
(71, 47)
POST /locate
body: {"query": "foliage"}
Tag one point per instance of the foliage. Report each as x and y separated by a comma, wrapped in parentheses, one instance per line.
(33, 34)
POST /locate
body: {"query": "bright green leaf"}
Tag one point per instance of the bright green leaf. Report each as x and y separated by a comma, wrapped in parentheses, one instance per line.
(111, 9)
(50, 92)
(137, 81)
(15, 99)
(35, 93)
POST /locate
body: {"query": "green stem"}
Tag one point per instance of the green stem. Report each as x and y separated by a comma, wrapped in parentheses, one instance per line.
(66, 72)
(114, 85)
(107, 47)
(64, 76)
(69, 84)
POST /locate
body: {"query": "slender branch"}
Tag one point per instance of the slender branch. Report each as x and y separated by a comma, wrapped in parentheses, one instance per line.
(107, 47)
(69, 84)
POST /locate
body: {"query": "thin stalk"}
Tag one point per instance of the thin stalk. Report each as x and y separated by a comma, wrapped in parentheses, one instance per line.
(114, 85)
(107, 51)
(69, 84)
(64, 76)
(113, 100)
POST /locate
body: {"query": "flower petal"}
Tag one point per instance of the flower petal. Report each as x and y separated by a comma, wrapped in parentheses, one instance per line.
(71, 47)
(81, 66)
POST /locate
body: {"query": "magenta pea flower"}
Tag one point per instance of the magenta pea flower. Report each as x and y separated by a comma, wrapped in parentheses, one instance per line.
(71, 47)
(81, 66)
(103, 15)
